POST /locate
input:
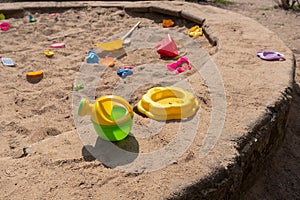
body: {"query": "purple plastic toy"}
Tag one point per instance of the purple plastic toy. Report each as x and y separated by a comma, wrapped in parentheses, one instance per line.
(270, 55)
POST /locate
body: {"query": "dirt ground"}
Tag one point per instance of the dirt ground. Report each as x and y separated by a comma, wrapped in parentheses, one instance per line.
(280, 178)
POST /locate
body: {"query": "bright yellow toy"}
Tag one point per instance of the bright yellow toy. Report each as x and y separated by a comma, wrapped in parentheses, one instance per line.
(34, 74)
(111, 115)
(195, 31)
(167, 103)
(49, 53)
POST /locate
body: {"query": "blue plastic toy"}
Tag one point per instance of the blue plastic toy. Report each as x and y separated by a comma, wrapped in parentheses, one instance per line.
(124, 72)
(92, 57)
(7, 62)
(31, 19)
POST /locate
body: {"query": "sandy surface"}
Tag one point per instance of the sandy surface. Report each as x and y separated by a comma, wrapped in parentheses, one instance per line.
(33, 114)
(280, 178)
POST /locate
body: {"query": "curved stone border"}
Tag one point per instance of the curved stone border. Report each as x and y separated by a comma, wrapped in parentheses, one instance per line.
(262, 137)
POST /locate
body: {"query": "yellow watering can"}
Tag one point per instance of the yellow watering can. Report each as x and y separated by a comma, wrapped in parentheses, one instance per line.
(111, 115)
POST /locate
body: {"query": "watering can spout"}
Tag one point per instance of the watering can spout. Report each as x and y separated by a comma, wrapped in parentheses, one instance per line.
(85, 108)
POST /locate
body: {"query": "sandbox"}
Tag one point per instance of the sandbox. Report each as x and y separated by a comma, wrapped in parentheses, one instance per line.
(244, 103)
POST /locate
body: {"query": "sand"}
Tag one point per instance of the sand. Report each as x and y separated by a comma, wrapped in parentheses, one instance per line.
(280, 177)
(33, 114)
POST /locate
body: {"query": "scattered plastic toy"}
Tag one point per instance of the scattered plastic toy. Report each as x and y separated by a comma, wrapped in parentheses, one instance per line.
(34, 76)
(57, 45)
(195, 31)
(4, 26)
(7, 62)
(128, 67)
(112, 116)
(167, 47)
(49, 53)
(108, 61)
(111, 45)
(124, 72)
(53, 15)
(31, 18)
(168, 103)
(79, 87)
(118, 43)
(270, 55)
(92, 57)
(179, 66)
(167, 23)
(2, 16)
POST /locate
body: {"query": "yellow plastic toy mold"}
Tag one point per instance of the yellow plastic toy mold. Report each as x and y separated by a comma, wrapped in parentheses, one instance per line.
(167, 103)
(49, 53)
(195, 31)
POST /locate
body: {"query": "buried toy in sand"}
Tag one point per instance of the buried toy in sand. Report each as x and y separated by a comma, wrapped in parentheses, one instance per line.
(168, 103)
(34, 76)
(111, 115)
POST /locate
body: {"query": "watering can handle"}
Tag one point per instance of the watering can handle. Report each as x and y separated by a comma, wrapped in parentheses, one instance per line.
(122, 102)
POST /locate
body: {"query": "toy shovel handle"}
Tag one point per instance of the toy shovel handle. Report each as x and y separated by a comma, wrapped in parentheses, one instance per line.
(130, 31)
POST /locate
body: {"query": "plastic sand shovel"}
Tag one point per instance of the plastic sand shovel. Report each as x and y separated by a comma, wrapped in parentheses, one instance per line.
(118, 43)
(270, 55)
(4, 26)
(7, 62)
(167, 47)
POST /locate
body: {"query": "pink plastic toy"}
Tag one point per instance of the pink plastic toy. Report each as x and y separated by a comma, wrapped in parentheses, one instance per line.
(179, 66)
(53, 15)
(4, 26)
(58, 45)
(128, 67)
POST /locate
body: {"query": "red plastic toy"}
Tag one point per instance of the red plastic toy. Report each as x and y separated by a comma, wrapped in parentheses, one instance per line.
(167, 47)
